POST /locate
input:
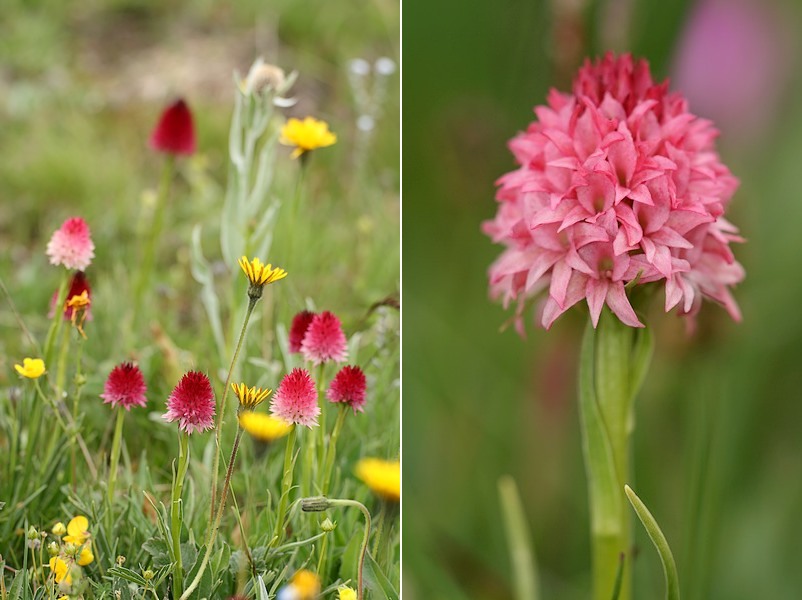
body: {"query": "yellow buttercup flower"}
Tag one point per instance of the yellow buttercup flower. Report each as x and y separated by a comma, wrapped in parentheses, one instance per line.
(307, 135)
(61, 570)
(346, 593)
(383, 477)
(266, 428)
(260, 275)
(306, 584)
(250, 398)
(32, 368)
(78, 530)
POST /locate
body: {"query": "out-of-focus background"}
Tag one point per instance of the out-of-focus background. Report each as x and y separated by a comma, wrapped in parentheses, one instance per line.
(717, 447)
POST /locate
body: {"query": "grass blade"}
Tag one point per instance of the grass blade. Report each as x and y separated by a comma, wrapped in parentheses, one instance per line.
(524, 567)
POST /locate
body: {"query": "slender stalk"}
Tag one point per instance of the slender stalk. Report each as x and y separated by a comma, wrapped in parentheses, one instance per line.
(286, 483)
(332, 450)
(378, 537)
(68, 427)
(364, 548)
(175, 511)
(216, 524)
(115, 460)
(221, 414)
(58, 317)
(148, 257)
(519, 541)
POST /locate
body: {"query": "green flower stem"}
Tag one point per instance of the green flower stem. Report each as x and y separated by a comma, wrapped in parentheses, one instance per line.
(175, 510)
(519, 541)
(216, 525)
(322, 418)
(115, 460)
(364, 548)
(331, 451)
(69, 427)
(58, 317)
(613, 362)
(219, 425)
(148, 257)
(286, 484)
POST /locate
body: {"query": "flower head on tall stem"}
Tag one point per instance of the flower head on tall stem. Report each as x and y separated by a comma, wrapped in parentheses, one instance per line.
(31, 368)
(250, 398)
(298, 328)
(306, 135)
(125, 387)
(259, 275)
(348, 387)
(383, 477)
(191, 403)
(71, 245)
(618, 184)
(324, 340)
(295, 400)
(175, 132)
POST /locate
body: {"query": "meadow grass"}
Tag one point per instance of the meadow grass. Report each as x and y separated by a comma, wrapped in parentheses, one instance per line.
(73, 154)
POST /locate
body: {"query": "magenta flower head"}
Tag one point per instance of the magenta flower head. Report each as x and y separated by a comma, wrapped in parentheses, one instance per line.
(324, 340)
(300, 323)
(348, 386)
(192, 403)
(175, 131)
(71, 245)
(125, 387)
(295, 400)
(617, 183)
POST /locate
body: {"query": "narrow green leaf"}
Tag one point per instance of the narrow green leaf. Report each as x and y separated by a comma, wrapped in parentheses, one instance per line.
(519, 542)
(127, 575)
(659, 540)
(261, 590)
(619, 578)
(376, 580)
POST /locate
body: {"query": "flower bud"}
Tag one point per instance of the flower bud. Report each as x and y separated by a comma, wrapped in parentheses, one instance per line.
(120, 560)
(328, 525)
(315, 504)
(52, 549)
(32, 533)
(147, 574)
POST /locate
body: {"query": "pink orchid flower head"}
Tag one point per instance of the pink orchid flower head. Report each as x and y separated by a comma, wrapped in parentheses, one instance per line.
(617, 183)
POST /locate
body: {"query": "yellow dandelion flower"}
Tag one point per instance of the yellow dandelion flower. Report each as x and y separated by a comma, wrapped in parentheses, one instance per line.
(307, 135)
(346, 593)
(266, 428)
(86, 557)
(383, 477)
(250, 398)
(32, 368)
(306, 584)
(260, 275)
(61, 570)
(78, 530)
(59, 529)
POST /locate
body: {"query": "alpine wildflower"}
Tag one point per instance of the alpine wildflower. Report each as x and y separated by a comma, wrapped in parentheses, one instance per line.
(32, 368)
(71, 245)
(306, 135)
(175, 132)
(191, 403)
(125, 386)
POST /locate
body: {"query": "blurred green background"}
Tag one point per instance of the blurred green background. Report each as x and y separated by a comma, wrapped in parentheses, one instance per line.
(717, 447)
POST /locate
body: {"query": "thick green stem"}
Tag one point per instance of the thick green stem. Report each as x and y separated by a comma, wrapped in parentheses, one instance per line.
(115, 460)
(175, 512)
(332, 450)
(613, 361)
(286, 484)
(216, 525)
(221, 414)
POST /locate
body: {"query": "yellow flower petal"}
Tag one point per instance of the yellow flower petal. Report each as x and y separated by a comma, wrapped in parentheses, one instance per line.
(383, 477)
(60, 570)
(346, 593)
(78, 530)
(260, 274)
(252, 397)
(32, 368)
(306, 584)
(307, 135)
(85, 557)
(266, 428)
